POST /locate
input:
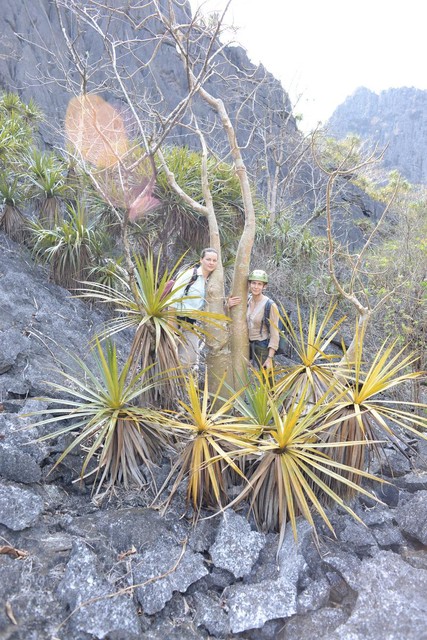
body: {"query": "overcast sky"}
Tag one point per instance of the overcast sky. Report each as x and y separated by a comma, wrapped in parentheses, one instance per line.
(323, 50)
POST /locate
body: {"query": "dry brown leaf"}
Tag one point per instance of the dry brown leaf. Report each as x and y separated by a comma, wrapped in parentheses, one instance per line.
(126, 554)
(11, 551)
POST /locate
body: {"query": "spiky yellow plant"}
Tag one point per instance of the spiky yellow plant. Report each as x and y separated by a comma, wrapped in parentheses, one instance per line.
(146, 309)
(367, 411)
(288, 476)
(99, 405)
(210, 438)
(316, 369)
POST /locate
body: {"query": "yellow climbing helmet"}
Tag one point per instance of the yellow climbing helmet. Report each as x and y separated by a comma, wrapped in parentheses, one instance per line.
(259, 275)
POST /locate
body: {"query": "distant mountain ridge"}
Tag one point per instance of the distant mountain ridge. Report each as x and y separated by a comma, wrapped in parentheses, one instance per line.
(396, 118)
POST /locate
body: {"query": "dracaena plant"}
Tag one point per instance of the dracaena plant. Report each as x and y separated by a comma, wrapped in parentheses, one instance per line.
(367, 411)
(47, 186)
(210, 437)
(316, 368)
(291, 474)
(146, 310)
(99, 405)
(12, 221)
(177, 218)
(71, 248)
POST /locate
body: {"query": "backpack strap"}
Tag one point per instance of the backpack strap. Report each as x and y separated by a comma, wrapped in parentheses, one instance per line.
(192, 280)
(266, 317)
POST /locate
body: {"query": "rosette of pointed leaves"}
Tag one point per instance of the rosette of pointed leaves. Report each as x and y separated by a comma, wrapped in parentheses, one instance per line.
(71, 248)
(316, 369)
(12, 221)
(47, 185)
(146, 310)
(98, 404)
(367, 411)
(210, 437)
(288, 477)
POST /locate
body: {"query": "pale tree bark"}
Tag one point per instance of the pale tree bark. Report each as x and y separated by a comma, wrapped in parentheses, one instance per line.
(218, 336)
(239, 330)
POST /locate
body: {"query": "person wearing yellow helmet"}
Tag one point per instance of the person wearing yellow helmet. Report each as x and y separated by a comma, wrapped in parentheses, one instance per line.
(263, 337)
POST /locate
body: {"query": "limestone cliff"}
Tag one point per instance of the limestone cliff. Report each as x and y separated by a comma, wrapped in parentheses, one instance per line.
(396, 119)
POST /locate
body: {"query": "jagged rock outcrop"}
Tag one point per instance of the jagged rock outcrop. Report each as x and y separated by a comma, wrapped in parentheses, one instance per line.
(36, 64)
(70, 568)
(396, 119)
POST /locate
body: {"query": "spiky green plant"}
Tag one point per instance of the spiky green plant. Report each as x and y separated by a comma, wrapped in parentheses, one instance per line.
(316, 368)
(178, 219)
(366, 412)
(260, 393)
(12, 221)
(71, 248)
(99, 404)
(210, 437)
(16, 130)
(109, 273)
(48, 185)
(288, 475)
(145, 309)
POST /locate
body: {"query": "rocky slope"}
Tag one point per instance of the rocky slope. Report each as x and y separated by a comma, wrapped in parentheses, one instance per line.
(74, 570)
(395, 119)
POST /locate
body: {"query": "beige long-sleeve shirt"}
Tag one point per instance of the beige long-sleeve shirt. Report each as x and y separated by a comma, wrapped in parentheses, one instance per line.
(258, 330)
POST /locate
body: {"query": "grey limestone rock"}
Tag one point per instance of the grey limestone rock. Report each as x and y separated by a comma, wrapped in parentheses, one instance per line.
(19, 508)
(313, 624)
(211, 614)
(395, 120)
(236, 547)
(163, 569)
(413, 481)
(315, 596)
(391, 602)
(98, 608)
(412, 517)
(12, 344)
(252, 605)
(18, 465)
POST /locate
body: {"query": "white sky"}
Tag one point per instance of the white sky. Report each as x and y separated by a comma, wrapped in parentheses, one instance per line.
(323, 50)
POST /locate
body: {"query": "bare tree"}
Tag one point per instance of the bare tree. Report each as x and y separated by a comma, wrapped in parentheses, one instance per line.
(132, 38)
(353, 290)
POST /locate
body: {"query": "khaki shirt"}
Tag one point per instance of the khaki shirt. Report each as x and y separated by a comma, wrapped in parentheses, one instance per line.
(258, 330)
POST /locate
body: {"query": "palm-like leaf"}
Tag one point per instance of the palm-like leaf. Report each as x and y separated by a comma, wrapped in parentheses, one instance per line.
(152, 318)
(100, 406)
(177, 218)
(70, 248)
(12, 221)
(261, 393)
(48, 185)
(366, 408)
(16, 130)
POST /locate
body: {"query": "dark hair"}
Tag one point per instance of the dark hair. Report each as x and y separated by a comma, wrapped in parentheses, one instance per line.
(208, 250)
